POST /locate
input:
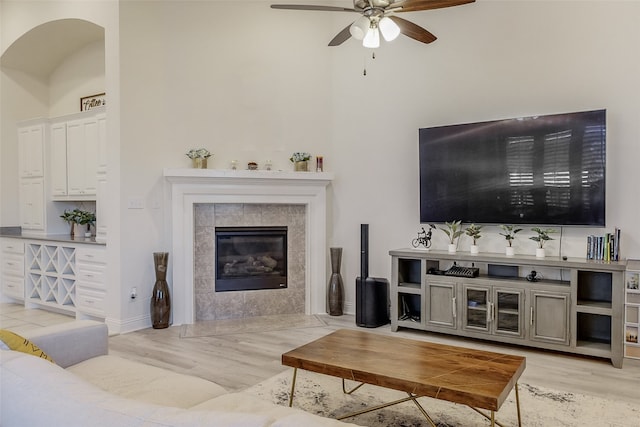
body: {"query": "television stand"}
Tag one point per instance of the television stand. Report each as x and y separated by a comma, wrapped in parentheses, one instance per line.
(572, 306)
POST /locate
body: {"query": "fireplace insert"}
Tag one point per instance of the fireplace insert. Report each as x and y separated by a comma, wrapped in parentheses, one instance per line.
(250, 258)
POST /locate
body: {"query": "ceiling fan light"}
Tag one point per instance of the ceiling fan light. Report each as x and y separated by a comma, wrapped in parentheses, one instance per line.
(372, 38)
(360, 27)
(389, 29)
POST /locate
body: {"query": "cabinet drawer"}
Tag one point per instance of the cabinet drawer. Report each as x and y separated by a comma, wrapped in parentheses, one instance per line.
(91, 273)
(13, 287)
(90, 301)
(91, 255)
(12, 246)
(13, 265)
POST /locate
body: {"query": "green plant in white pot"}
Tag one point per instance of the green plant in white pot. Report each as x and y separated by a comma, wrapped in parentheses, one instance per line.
(509, 234)
(453, 231)
(541, 237)
(473, 231)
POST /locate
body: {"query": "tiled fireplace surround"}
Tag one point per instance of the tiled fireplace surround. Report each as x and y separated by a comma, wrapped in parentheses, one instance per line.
(200, 199)
(212, 305)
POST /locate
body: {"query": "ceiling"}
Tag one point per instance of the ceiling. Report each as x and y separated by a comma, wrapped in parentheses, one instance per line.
(40, 51)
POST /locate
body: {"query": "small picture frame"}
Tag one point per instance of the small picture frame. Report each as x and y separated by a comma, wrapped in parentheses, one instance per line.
(93, 101)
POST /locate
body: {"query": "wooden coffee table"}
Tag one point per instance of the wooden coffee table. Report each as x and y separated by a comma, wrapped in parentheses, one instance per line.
(478, 379)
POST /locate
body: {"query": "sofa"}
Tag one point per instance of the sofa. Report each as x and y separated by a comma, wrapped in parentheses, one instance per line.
(86, 386)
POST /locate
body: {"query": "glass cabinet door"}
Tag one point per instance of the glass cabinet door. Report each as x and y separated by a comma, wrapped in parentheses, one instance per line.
(507, 316)
(477, 311)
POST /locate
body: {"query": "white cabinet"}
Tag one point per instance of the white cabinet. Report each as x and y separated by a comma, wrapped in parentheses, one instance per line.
(58, 136)
(91, 281)
(31, 150)
(32, 204)
(82, 157)
(12, 268)
(31, 139)
(77, 155)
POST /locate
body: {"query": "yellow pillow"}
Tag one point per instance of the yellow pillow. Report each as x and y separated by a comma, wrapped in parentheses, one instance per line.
(18, 343)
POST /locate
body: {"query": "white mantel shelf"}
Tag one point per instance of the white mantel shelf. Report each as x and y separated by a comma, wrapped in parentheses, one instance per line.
(229, 175)
(188, 187)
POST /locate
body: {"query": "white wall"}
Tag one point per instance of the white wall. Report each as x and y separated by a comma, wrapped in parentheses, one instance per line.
(80, 75)
(252, 83)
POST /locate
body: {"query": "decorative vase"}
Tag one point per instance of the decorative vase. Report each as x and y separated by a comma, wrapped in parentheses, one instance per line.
(336, 288)
(452, 248)
(160, 299)
(199, 163)
(539, 252)
(302, 166)
(72, 233)
(510, 251)
(474, 249)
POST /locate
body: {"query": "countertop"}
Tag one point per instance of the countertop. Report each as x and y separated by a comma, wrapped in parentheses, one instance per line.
(16, 232)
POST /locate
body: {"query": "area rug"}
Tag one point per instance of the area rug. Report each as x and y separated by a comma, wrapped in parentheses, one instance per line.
(209, 328)
(322, 395)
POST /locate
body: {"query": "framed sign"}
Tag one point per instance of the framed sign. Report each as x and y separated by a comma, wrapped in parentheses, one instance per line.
(92, 101)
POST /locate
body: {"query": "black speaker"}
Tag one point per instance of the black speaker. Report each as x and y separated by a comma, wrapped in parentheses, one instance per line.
(372, 293)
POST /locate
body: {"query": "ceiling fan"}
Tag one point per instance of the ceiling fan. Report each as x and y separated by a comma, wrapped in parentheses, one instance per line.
(378, 17)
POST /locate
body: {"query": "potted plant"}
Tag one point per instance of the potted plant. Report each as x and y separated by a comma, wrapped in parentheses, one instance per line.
(453, 231)
(86, 218)
(541, 237)
(199, 157)
(473, 231)
(509, 234)
(300, 161)
(70, 217)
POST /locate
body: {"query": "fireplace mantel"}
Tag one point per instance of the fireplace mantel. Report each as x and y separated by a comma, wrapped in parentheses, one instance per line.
(190, 186)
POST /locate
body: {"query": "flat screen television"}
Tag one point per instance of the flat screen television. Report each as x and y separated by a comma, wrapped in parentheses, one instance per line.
(542, 170)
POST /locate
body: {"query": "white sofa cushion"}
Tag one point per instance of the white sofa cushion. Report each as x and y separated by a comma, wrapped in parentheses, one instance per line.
(146, 383)
(37, 393)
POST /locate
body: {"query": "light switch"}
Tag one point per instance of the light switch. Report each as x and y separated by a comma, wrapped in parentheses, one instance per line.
(135, 203)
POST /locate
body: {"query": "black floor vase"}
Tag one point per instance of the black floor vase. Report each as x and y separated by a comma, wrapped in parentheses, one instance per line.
(160, 298)
(336, 288)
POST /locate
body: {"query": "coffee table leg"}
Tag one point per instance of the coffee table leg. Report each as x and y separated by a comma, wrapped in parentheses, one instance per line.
(493, 418)
(293, 386)
(518, 406)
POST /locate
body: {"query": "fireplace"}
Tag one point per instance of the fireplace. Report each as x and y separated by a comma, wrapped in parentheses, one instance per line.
(192, 242)
(250, 258)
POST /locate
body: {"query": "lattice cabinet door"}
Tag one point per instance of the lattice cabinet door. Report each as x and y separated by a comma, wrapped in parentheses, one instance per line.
(51, 275)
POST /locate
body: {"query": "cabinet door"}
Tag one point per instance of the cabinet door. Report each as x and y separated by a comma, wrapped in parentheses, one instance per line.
(102, 143)
(441, 307)
(32, 204)
(477, 312)
(507, 312)
(549, 317)
(31, 144)
(82, 156)
(59, 159)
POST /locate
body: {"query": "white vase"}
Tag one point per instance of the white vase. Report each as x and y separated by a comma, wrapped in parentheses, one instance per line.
(452, 248)
(539, 252)
(510, 251)
(474, 249)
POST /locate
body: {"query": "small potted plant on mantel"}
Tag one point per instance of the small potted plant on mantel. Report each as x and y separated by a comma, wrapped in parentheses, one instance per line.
(473, 231)
(509, 234)
(300, 161)
(199, 157)
(453, 231)
(541, 237)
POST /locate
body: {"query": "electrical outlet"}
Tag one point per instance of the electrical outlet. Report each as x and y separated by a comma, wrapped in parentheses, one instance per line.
(134, 293)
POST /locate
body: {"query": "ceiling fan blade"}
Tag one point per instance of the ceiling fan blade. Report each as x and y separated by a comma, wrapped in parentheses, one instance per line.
(416, 5)
(312, 7)
(414, 31)
(341, 37)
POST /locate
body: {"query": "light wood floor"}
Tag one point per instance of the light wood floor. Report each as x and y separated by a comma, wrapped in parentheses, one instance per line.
(237, 361)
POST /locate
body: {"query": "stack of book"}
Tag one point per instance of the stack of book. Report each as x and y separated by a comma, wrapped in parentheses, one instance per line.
(604, 248)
